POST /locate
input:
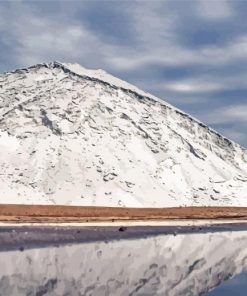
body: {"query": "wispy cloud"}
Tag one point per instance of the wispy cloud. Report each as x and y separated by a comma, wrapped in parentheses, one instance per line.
(193, 86)
(215, 10)
(173, 54)
(37, 37)
(233, 113)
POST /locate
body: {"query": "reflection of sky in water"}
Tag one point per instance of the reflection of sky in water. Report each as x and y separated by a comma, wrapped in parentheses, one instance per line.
(173, 265)
(236, 286)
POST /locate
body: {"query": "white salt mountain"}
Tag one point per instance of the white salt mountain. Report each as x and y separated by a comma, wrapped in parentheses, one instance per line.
(69, 135)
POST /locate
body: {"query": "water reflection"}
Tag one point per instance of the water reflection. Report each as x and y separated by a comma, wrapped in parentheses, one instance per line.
(182, 264)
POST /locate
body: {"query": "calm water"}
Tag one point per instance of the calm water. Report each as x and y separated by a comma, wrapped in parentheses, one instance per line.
(133, 261)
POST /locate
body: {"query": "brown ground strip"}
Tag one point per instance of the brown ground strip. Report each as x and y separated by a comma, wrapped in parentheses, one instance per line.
(59, 214)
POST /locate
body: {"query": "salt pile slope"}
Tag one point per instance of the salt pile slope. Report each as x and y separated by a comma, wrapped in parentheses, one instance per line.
(69, 135)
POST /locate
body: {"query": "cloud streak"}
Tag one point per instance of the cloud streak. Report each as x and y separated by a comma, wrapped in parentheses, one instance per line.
(215, 10)
(233, 113)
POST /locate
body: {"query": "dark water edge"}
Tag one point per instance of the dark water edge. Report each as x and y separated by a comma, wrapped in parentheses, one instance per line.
(28, 237)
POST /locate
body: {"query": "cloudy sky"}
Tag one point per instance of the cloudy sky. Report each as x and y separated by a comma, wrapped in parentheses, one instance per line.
(192, 54)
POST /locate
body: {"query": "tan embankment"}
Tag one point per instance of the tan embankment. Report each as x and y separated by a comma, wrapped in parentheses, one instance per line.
(60, 214)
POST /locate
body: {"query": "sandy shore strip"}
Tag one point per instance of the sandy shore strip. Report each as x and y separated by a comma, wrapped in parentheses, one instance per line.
(50, 214)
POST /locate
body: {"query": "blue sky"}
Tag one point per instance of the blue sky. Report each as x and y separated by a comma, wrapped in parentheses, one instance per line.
(193, 54)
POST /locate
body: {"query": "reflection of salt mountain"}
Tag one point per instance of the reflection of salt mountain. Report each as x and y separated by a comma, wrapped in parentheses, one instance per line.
(69, 135)
(188, 264)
